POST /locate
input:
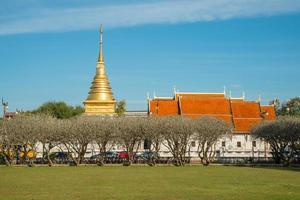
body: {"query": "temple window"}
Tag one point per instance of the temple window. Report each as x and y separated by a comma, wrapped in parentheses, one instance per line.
(223, 143)
(147, 144)
(193, 144)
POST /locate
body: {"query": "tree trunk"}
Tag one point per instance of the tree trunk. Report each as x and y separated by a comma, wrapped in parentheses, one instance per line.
(276, 156)
(7, 161)
(30, 162)
(50, 162)
(205, 161)
(101, 160)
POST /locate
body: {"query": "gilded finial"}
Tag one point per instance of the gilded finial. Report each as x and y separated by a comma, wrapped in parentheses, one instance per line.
(101, 59)
(101, 28)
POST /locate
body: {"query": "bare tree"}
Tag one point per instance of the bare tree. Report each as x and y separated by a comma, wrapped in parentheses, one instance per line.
(208, 130)
(23, 131)
(130, 134)
(177, 132)
(75, 135)
(48, 136)
(7, 141)
(152, 129)
(104, 133)
(283, 135)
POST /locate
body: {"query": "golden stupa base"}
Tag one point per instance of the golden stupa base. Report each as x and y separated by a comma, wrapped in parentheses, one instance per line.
(95, 108)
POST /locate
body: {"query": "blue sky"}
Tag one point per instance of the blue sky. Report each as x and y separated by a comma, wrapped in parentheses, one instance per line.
(48, 49)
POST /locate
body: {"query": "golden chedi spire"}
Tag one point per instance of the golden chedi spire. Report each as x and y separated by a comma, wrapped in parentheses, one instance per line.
(100, 100)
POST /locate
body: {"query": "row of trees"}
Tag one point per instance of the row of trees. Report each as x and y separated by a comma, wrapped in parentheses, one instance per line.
(62, 110)
(59, 110)
(24, 133)
(287, 108)
(283, 136)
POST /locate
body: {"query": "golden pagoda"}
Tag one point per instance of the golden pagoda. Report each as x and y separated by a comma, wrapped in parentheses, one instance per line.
(100, 100)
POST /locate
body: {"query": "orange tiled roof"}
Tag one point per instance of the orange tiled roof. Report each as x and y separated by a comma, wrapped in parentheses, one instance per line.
(268, 112)
(237, 100)
(243, 114)
(200, 95)
(244, 125)
(164, 108)
(205, 106)
(227, 118)
(245, 109)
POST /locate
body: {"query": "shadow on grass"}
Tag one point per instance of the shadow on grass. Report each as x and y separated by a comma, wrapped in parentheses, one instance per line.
(273, 166)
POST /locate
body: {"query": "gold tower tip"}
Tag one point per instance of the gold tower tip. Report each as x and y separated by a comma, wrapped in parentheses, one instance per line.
(100, 100)
(100, 58)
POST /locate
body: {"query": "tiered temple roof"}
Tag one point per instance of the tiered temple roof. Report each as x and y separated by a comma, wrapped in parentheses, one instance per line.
(238, 112)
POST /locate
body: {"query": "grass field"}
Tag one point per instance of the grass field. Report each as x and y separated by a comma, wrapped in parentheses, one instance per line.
(155, 183)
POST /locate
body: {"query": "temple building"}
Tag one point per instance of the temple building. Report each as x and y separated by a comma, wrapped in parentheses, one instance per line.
(100, 100)
(240, 113)
(6, 113)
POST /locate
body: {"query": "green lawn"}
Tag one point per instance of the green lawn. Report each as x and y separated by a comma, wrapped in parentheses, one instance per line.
(155, 183)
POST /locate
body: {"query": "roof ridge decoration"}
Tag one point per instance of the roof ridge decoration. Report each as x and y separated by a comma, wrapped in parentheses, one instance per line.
(148, 103)
(174, 90)
(272, 105)
(163, 98)
(179, 106)
(259, 98)
(199, 92)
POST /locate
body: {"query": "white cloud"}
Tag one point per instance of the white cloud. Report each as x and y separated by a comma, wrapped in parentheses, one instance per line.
(158, 12)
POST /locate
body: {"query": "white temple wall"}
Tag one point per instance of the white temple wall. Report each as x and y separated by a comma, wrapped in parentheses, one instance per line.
(237, 145)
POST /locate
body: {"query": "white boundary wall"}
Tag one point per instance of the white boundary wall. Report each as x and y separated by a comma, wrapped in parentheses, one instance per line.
(234, 146)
